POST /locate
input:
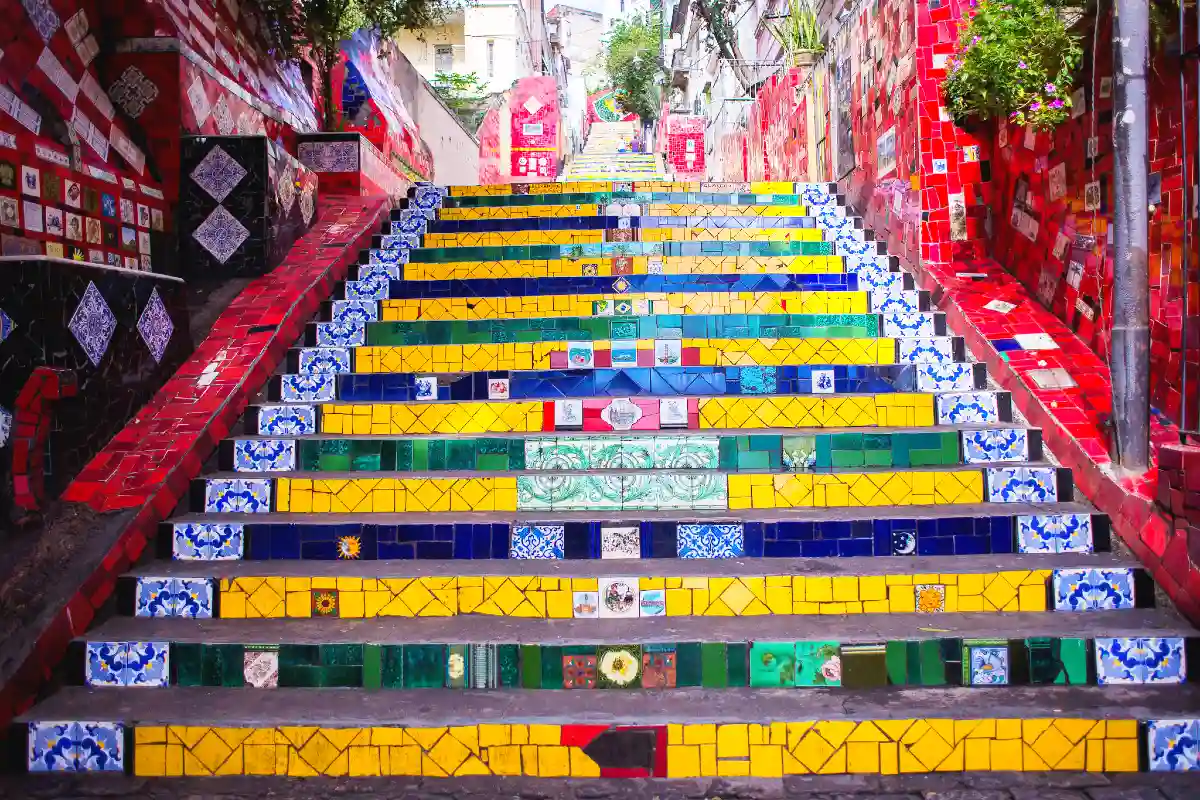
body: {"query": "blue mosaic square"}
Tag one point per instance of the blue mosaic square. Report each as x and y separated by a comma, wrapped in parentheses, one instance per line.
(1140, 660)
(1093, 589)
(368, 290)
(237, 495)
(264, 455)
(952, 377)
(354, 311)
(325, 359)
(207, 541)
(317, 388)
(930, 350)
(967, 407)
(995, 445)
(905, 301)
(537, 541)
(908, 323)
(340, 334)
(1173, 745)
(720, 540)
(1022, 485)
(76, 747)
(174, 597)
(758, 380)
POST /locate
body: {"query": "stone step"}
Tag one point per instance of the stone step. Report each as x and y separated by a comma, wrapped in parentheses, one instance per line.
(628, 382)
(764, 733)
(728, 412)
(1134, 647)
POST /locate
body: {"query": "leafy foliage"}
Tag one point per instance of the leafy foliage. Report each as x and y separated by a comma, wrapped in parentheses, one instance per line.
(315, 29)
(463, 93)
(799, 31)
(631, 60)
(1015, 59)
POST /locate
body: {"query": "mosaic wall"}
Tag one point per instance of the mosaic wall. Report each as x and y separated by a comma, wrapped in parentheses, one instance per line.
(681, 138)
(521, 140)
(244, 202)
(348, 163)
(83, 348)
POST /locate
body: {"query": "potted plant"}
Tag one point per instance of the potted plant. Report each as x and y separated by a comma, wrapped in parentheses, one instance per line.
(798, 34)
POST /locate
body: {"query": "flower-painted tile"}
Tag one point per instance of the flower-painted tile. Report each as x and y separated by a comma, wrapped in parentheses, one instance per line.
(1093, 589)
(951, 377)
(1054, 533)
(76, 747)
(340, 334)
(932, 350)
(335, 360)
(1022, 484)
(1173, 745)
(105, 663)
(537, 541)
(287, 420)
(358, 312)
(174, 597)
(995, 445)
(315, 388)
(967, 407)
(1140, 660)
(710, 540)
(264, 455)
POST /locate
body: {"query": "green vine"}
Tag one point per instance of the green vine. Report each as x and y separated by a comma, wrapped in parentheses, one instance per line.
(1015, 59)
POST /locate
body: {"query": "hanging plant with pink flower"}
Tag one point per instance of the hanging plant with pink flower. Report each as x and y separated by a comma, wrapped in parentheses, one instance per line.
(1015, 60)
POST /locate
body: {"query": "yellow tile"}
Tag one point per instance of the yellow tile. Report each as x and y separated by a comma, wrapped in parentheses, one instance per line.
(683, 761)
(732, 741)
(766, 761)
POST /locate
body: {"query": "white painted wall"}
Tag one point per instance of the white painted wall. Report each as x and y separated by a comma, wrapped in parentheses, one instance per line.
(455, 150)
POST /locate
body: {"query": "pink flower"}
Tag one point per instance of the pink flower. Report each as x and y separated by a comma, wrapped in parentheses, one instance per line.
(1021, 65)
(1056, 104)
(1049, 87)
(1035, 105)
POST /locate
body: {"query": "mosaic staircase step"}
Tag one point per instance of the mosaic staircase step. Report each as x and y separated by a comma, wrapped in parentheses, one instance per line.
(627, 382)
(810, 533)
(566, 589)
(1139, 647)
(797, 452)
(627, 490)
(733, 218)
(682, 733)
(437, 255)
(744, 412)
(383, 264)
(781, 229)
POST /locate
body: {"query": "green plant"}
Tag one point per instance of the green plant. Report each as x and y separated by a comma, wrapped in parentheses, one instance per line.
(465, 94)
(631, 60)
(1015, 59)
(798, 32)
(315, 29)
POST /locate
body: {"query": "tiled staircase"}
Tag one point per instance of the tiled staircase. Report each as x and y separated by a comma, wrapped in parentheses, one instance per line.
(706, 447)
(606, 157)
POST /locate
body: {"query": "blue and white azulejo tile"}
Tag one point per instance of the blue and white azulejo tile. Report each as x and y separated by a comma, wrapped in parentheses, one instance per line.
(1054, 533)
(191, 598)
(1022, 485)
(1140, 660)
(368, 290)
(909, 323)
(1173, 745)
(995, 445)
(76, 747)
(715, 540)
(1106, 589)
(237, 495)
(538, 542)
(962, 407)
(325, 360)
(379, 272)
(988, 665)
(396, 255)
(128, 664)
(207, 541)
(952, 377)
(315, 388)
(925, 350)
(264, 455)
(882, 303)
(354, 311)
(338, 334)
(287, 420)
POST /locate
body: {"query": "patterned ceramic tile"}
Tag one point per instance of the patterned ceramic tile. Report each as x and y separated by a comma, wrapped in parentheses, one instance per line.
(335, 360)
(1140, 660)
(221, 234)
(93, 324)
(967, 407)
(237, 496)
(264, 455)
(995, 445)
(932, 350)
(354, 311)
(207, 541)
(260, 667)
(719, 540)
(619, 598)
(174, 597)
(341, 334)
(218, 174)
(930, 598)
(1022, 485)
(620, 541)
(988, 665)
(897, 324)
(952, 377)
(1092, 589)
(76, 747)
(652, 603)
(155, 326)
(287, 420)
(537, 541)
(307, 388)
(1173, 745)
(1055, 533)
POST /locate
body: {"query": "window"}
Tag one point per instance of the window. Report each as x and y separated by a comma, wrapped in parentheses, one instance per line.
(491, 58)
(443, 58)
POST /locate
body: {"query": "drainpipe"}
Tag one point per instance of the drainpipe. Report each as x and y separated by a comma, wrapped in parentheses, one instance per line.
(1131, 295)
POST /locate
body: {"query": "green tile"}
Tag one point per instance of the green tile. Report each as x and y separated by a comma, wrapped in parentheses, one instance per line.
(437, 455)
(187, 664)
(224, 665)
(342, 655)
(932, 668)
(714, 673)
(737, 659)
(552, 667)
(841, 459)
(299, 655)
(508, 665)
(301, 677)
(494, 462)
(460, 455)
(531, 666)
(727, 453)
(772, 664)
(864, 666)
(391, 670)
(688, 664)
(424, 666)
(818, 664)
(372, 669)
(420, 455)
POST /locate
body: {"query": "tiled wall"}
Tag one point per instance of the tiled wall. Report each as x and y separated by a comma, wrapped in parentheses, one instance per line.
(681, 139)
(521, 140)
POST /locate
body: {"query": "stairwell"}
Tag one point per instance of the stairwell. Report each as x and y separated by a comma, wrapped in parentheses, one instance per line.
(628, 479)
